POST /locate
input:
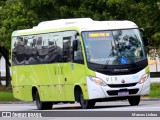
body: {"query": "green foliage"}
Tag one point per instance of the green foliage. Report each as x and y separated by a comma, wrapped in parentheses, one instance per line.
(95, 9)
(22, 14)
(155, 39)
(155, 88)
(44, 9)
(14, 16)
(6, 94)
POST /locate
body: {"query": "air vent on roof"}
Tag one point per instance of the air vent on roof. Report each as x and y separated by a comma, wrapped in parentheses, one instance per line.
(61, 22)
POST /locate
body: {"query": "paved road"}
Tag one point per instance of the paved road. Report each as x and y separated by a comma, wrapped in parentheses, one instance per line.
(105, 107)
(145, 105)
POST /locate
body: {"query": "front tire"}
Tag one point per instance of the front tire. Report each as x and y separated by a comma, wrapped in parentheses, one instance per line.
(42, 105)
(134, 100)
(86, 104)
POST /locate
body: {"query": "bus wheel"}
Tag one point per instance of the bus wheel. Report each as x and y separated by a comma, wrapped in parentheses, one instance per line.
(42, 105)
(134, 100)
(86, 104)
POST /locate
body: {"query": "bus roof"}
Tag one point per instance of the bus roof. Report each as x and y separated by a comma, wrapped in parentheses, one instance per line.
(81, 24)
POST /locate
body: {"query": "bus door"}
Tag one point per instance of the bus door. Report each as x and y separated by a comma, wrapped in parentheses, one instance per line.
(73, 66)
(77, 66)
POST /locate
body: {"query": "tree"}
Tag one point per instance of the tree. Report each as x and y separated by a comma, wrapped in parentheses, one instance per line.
(44, 9)
(23, 14)
(14, 15)
(145, 13)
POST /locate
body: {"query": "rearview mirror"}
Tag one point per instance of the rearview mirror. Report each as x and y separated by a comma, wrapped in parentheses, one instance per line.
(141, 30)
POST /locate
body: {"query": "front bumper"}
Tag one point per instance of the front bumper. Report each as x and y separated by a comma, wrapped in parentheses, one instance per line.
(100, 92)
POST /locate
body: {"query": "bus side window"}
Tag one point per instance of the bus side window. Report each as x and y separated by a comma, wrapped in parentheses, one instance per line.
(66, 49)
(19, 51)
(77, 55)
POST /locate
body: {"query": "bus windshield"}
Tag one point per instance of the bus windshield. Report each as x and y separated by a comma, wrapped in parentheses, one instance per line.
(115, 47)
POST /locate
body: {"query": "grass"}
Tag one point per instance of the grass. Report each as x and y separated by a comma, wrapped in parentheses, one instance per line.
(155, 90)
(7, 95)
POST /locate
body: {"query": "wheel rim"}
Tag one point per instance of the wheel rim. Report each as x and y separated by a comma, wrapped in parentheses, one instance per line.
(83, 102)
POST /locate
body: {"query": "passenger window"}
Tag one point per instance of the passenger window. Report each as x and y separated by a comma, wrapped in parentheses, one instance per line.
(66, 49)
(18, 51)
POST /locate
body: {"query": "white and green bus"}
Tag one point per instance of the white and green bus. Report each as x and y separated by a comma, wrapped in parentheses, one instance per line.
(79, 60)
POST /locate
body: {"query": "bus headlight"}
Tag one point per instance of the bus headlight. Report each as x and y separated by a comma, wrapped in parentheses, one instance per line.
(97, 81)
(144, 78)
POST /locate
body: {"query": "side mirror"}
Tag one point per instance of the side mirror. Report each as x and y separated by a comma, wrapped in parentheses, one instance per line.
(141, 30)
(76, 34)
(145, 41)
(75, 45)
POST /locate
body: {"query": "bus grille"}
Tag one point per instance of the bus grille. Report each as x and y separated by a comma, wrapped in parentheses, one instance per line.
(121, 85)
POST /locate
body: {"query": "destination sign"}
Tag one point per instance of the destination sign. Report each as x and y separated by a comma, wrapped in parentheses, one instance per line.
(103, 34)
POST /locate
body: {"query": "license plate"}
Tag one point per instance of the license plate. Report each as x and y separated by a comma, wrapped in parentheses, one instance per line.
(123, 93)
